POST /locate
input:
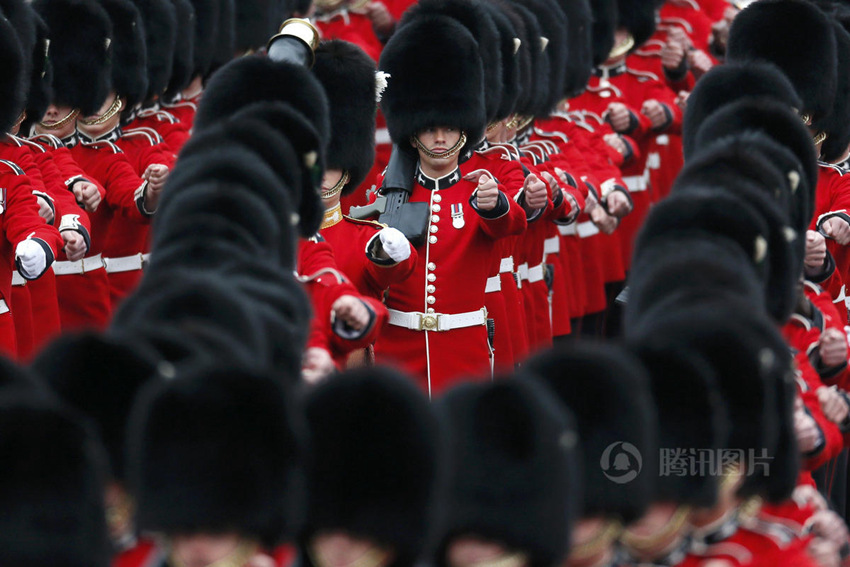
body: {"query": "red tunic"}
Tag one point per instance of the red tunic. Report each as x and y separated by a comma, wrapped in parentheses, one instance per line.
(450, 278)
(352, 27)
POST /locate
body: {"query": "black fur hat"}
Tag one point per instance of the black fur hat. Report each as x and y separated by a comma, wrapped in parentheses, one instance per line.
(537, 66)
(80, 52)
(205, 35)
(129, 52)
(506, 20)
(160, 22)
(698, 265)
(607, 390)
(14, 83)
(730, 82)
(224, 47)
(438, 85)
(356, 422)
(348, 77)
(472, 15)
(604, 26)
(257, 79)
(22, 17)
(217, 450)
(553, 24)
(797, 37)
(515, 468)
(51, 487)
(255, 23)
(99, 376)
(779, 123)
(638, 17)
(690, 414)
(835, 146)
(183, 65)
(580, 33)
(41, 79)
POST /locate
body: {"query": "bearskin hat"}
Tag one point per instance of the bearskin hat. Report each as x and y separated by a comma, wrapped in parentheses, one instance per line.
(22, 17)
(160, 22)
(348, 77)
(780, 124)
(51, 487)
(355, 420)
(515, 466)
(472, 15)
(537, 69)
(255, 23)
(730, 82)
(13, 85)
(224, 47)
(508, 22)
(80, 51)
(690, 413)
(438, 86)
(604, 26)
(553, 24)
(183, 65)
(205, 35)
(580, 63)
(607, 390)
(41, 78)
(217, 450)
(761, 32)
(834, 148)
(99, 376)
(638, 17)
(129, 52)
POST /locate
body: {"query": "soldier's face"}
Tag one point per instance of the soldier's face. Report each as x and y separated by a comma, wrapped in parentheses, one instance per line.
(200, 550)
(439, 139)
(55, 114)
(471, 551)
(339, 549)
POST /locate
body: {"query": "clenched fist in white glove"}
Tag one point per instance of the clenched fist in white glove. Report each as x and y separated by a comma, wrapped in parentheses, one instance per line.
(394, 243)
(30, 258)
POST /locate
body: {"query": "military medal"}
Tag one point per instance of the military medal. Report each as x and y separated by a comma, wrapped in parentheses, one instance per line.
(457, 216)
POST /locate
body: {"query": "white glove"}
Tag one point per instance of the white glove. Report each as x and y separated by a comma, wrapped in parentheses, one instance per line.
(395, 244)
(31, 257)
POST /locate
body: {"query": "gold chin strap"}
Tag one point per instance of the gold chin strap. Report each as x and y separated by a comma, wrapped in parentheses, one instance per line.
(523, 122)
(450, 153)
(604, 538)
(623, 47)
(374, 557)
(114, 109)
(119, 517)
(337, 189)
(820, 137)
(806, 118)
(516, 559)
(649, 543)
(20, 119)
(493, 125)
(240, 556)
(60, 123)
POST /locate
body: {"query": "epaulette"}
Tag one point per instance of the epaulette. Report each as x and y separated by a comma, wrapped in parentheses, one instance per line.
(643, 76)
(35, 146)
(498, 152)
(366, 222)
(102, 144)
(152, 135)
(16, 169)
(49, 139)
(837, 168)
(800, 320)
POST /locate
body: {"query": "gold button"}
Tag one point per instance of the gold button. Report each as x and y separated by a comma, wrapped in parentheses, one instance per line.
(431, 300)
(430, 289)
(432, 239)
(431, 310)
(437, 198)
(432, 278)
(435, 218)
(436, 208)
(432, 266)
(434, 228)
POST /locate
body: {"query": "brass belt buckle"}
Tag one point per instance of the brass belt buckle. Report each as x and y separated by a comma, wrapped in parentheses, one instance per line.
(428, 322)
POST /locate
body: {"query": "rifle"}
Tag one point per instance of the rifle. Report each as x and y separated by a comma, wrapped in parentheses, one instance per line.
(392, 206)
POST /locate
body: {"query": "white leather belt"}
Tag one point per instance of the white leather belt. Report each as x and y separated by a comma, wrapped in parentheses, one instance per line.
(494, 284)
(568, 230)
(382, 137)
(653, 160)
(552, 245)
(636, 183)
(663, 140)
(522, 272)
(587, 229)
(416, 321)
(126, 263)
(18, 279)
(4, 307)
(79, 267)
(535, 274)
(507, 265)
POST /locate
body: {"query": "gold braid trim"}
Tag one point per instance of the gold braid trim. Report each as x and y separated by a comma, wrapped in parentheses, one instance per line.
(114, 109)
(603, 538)
(60, 123)
(337, 189)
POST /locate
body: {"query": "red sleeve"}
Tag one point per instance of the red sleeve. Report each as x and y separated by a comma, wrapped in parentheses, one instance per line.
(124, 188)
(380, 277)
(21, 220)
